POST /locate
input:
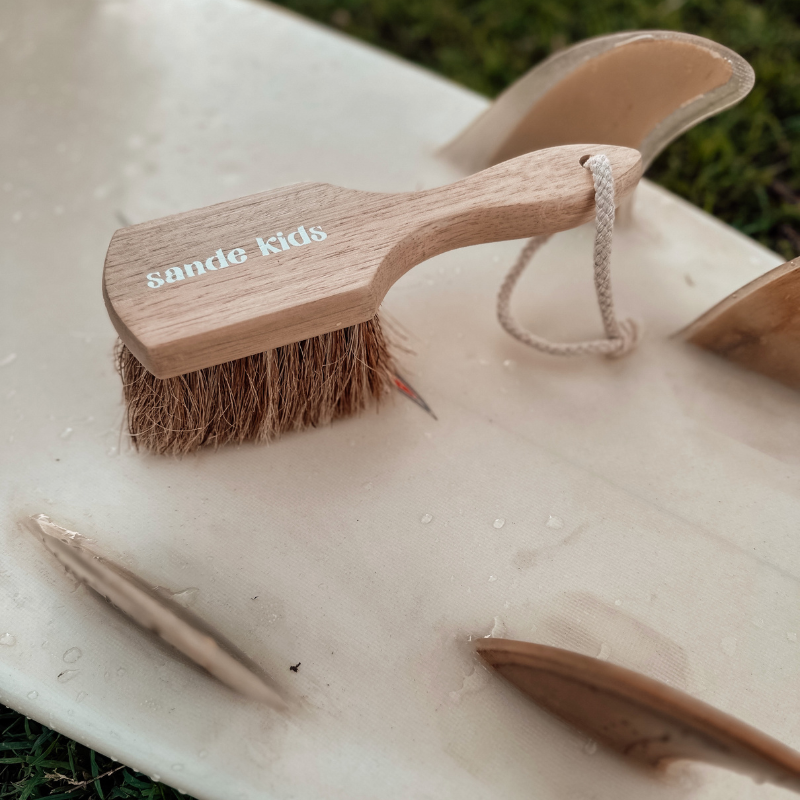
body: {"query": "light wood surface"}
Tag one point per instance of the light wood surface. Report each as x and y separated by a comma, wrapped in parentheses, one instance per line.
(639, 89)
(638, 716)
(758, 326)
(313, 285)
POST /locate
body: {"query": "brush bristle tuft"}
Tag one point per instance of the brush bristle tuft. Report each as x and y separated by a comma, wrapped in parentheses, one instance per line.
(257, 398)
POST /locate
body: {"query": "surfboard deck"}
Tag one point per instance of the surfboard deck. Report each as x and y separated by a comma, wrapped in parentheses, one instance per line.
(643, 510)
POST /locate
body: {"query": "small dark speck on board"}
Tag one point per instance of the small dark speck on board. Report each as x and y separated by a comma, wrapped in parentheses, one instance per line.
(295, 667)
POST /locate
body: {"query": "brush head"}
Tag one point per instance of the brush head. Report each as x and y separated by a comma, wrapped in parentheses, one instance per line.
(259, 397)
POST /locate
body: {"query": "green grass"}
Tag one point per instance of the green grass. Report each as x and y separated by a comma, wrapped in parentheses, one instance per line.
(743, 167)
(38, 762)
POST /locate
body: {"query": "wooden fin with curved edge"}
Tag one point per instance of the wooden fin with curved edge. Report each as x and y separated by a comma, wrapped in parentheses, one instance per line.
(156, 611)
(638, 89)
(758, 326)
(636, 715)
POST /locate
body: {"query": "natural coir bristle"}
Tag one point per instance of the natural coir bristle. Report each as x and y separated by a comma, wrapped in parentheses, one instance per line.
(297, 386)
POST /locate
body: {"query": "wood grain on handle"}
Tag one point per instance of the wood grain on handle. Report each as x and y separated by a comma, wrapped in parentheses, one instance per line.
(223, 282)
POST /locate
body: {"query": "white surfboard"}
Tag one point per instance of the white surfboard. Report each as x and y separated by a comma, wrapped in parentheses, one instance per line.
(643, 510)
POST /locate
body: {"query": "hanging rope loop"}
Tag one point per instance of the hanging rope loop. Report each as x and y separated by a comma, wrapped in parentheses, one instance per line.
(622, 336)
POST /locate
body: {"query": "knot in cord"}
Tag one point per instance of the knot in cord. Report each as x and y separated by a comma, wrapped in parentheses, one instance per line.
(622, 336)
(630, 334)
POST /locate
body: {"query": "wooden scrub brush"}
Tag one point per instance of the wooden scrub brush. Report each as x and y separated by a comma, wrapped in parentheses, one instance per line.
(256, 316)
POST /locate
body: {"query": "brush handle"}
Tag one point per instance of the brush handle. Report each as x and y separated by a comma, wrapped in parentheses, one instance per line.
(537, 193)
(227, 281)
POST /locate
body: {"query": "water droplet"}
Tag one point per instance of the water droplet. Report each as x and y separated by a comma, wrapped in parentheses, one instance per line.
(66, 433)
(120, 671)
(67, 675)
(792, 637)
(33, 695)
(203, 753)
(80, 697)
(498, 630)
(62, 534)
(16, 216)
(8, 639)
(177, 767)
(72, 655)
(590, 748)
(555, 522)
(8, 359)
(492, 578)
(728, 645)
(111, 451)
(605, 652)
(426, 518)
(508, 363)
(186, 597)
(473, 682)
(499, 522)
(618, 602)
(155, 777)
